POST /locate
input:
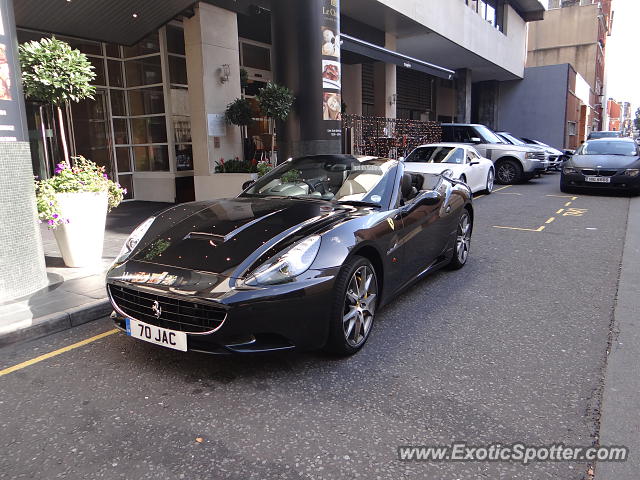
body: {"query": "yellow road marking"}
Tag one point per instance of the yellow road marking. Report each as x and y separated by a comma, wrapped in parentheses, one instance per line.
(502, 188)
(563, 196)
(539, 229)
(550, 220)
(560, 211)
(567, 204)
(480, 196)
(35, 360)
(509, 193)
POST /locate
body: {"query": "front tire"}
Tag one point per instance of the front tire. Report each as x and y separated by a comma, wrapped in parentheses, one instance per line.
(491, 177)
(508, 172)
(463, 241)
(354, 304)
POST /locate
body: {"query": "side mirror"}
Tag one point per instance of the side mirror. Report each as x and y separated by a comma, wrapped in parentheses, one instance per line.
(568, 153)
(247, 184)
(428, 197)
(475, 140)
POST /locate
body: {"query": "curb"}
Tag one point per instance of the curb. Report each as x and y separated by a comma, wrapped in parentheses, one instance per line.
(59, 321)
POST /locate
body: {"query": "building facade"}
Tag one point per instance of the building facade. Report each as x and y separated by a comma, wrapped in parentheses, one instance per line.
(575, 32)
(160, 97)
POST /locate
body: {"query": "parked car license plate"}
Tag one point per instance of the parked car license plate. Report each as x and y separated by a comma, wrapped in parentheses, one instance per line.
(598, 179)
(159, 336)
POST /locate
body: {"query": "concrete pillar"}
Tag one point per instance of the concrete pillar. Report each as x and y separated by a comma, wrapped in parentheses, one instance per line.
(485, 103)
(211, 41)
(352, 88)
(305, 42)
(463, 95)
(22, 267)
(384, 75)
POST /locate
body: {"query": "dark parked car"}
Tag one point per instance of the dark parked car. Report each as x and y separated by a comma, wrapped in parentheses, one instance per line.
(303, 258)
(611, 163)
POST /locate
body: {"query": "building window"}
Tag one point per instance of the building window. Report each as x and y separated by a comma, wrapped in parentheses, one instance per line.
(493, 11)
(572, 128)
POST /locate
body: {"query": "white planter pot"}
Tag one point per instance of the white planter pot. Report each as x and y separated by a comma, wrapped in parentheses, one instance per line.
(81, 240)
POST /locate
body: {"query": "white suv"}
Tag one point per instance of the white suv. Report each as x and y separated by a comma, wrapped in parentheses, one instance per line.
(513, 163)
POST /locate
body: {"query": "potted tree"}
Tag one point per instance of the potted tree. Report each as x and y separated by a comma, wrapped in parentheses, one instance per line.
(275, 103)
(54, 73)
(74, 203)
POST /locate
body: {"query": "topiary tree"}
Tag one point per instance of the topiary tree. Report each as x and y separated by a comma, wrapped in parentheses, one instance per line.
(275, 103)
(54, 73)
(239, 112)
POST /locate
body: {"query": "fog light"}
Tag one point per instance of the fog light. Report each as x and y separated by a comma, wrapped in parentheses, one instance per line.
(632, 172)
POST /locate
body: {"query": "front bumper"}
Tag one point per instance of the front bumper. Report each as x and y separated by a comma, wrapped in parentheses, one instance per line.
(619, 182)
(273, 318)
(532, 165)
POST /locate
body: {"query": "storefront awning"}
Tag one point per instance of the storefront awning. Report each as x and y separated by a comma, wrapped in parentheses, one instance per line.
(382, 54)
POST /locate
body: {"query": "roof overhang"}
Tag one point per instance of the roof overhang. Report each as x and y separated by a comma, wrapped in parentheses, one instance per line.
(529, 10)
(116, 21)
(381, 54)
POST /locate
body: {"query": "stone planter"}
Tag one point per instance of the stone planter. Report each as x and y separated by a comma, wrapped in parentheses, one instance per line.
(81, 240)
(221, 185)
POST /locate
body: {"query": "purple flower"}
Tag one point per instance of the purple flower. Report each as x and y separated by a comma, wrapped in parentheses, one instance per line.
(55, 215)
(50, 222)
(51, 204)
(105, 175)
(66, 221)
(124, 191)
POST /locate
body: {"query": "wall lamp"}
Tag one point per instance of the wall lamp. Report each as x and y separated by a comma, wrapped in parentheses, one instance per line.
(393, 99)
(225, 72)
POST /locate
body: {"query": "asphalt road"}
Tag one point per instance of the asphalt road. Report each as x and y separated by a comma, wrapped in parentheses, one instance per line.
(509, 349)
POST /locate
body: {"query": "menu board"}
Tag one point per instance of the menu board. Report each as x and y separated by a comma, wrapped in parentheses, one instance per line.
(331, 71)
(11, 120)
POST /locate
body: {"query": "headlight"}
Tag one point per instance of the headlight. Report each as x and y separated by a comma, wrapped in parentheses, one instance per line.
(567, 170)
(134, 239)
(632, 172)
(292, 262)
(529, 155)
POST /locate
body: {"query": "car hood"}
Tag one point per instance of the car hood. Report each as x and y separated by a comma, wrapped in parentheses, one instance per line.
(219, 236)
(509, 147)
(603, 161)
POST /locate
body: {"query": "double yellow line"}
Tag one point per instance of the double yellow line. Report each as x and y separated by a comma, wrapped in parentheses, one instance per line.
(55, 353)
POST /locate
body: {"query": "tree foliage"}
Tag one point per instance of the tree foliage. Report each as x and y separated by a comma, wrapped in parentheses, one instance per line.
(275, 101)
(55, 73)
(239, 112)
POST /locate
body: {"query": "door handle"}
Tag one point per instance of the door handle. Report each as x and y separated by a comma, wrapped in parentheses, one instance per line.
(448, 209)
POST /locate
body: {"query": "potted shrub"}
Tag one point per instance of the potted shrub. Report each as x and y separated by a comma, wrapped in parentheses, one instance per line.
(54, 73)
(236, 174)
(275, 103)
(74, 203)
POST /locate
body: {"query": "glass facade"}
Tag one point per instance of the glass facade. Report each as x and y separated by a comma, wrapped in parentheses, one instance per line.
(139, 120)
(491, 10)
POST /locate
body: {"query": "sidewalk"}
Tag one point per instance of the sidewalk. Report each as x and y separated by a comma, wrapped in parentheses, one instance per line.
(74, 295)
(619, 421)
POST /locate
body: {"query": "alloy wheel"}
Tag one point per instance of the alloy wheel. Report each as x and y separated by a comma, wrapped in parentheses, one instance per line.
(463, 238)
(507, 172)
(359, 306)
(490, 180)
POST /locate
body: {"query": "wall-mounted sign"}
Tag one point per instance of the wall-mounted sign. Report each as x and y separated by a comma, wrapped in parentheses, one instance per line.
(11, 102)
(216, 125)
(331, 71)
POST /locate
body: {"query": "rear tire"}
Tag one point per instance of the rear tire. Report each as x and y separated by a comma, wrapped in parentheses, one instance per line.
(508, 172)
(353, 310)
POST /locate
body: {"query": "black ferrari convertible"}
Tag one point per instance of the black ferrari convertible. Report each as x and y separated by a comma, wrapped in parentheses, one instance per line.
(302, 258)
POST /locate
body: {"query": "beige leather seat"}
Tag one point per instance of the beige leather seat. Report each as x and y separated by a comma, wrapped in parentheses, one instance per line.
(357, 185)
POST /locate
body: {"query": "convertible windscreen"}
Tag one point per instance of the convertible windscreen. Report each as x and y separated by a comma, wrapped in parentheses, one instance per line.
(341, 178)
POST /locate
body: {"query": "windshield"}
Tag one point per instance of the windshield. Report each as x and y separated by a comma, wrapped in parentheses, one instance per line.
(487, 135)
(341, 178)
(511, 139)
(604, 134)
(437, 154)
(607, 148)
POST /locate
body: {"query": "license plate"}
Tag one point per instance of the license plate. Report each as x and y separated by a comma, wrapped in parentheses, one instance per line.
(598, 179)
(159, 336)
